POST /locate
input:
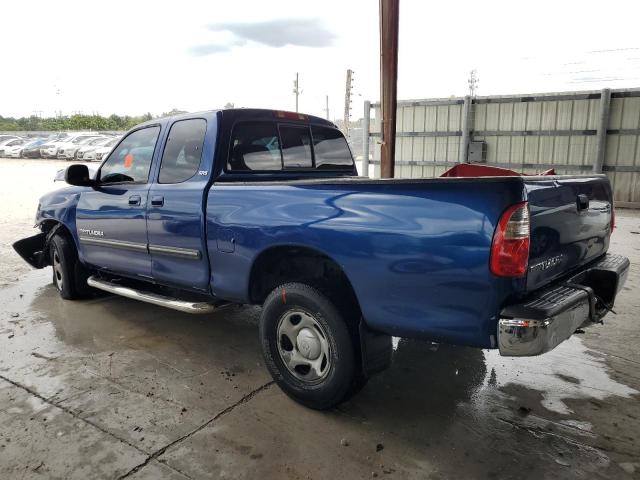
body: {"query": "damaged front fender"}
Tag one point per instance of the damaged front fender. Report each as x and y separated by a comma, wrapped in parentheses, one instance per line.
(32, 250)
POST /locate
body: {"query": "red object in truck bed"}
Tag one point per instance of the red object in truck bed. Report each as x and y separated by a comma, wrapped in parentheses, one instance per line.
(472, 170)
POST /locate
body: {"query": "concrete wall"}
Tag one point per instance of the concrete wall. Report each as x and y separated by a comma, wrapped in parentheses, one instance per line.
(527, 133)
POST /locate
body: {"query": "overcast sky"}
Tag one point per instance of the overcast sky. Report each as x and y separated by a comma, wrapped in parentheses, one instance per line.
(132, 57)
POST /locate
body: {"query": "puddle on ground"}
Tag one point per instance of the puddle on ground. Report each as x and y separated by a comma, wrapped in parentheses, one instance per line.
(571, 371)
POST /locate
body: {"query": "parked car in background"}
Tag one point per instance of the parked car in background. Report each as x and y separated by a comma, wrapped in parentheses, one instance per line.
(87, 151)
(32, 148)
(12, 148)
(6, 138)
(101, 152)
(50, 149)
(67, 150)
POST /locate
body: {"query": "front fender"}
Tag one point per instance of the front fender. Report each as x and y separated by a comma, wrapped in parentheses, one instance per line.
(33, 250)
(59, 207)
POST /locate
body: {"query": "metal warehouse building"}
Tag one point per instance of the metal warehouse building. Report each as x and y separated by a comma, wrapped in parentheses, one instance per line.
(572, 132)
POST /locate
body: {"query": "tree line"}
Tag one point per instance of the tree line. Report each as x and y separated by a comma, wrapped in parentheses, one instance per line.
(76, 122)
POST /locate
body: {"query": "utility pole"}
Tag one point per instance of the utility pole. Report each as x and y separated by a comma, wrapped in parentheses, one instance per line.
(389, 16)
(347, 103)
(366, 123)
(296, 90)
(326, 109)
(473, 83)
(57, 90)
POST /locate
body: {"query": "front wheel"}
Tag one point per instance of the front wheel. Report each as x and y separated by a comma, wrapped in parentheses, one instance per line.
(69, 275)
(307, 346)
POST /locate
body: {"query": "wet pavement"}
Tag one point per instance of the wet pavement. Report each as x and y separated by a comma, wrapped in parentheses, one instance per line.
(113, 388)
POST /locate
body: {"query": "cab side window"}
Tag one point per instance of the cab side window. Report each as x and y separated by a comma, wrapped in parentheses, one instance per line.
(183, 151)
(130, 161)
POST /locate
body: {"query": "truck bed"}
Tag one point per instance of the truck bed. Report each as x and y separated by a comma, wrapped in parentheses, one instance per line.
(415, 250)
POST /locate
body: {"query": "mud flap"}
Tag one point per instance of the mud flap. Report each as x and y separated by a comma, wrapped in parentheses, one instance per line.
(376, 350)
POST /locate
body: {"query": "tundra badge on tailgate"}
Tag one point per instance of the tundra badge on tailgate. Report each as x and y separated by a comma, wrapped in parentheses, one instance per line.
(547, 263)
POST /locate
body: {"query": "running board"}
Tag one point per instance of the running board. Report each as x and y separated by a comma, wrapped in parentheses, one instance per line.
(154, 298)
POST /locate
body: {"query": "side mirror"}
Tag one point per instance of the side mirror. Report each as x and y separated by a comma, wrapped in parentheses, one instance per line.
(78, 175)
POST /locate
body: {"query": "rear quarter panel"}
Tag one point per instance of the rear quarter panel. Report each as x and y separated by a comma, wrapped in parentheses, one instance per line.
(417, 254)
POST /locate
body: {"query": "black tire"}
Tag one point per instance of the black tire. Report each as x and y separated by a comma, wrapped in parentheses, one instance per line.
(69, 275)
(342, 377)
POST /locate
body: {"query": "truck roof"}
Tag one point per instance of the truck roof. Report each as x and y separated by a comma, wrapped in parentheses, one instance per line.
(246, 114)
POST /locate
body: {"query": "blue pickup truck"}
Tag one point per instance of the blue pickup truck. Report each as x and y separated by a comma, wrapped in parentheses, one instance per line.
(247, 206)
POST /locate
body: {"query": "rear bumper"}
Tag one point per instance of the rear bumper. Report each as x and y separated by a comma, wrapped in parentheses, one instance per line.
(548, 317)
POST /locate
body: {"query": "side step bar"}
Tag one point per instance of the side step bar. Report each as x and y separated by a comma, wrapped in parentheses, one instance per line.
(154, 298)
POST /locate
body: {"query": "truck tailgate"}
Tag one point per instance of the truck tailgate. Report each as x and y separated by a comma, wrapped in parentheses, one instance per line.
(571, 220)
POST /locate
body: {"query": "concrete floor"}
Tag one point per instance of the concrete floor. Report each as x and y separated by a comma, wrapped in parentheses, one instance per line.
(112, 388)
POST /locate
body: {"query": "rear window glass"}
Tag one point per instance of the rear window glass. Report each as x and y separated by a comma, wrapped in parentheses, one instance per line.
(269, 146)
(296, 147)
(331, 149)
(255, 146)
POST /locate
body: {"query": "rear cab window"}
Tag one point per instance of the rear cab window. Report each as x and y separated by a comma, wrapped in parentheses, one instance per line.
(274, 146)
(255, 146)
(296, 147)
(331, 149)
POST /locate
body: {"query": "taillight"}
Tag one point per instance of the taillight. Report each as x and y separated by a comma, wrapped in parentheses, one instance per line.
(510, 246)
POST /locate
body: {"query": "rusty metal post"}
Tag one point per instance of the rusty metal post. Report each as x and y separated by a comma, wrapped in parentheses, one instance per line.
(466, 129)
(389, 17)
(603, 123)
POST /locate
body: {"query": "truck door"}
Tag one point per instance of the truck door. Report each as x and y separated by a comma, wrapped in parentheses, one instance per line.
(111, 218)
(175, 212)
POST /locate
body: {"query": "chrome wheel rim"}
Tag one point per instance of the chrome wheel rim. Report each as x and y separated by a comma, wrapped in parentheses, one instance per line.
(303, 346)
(57, 269)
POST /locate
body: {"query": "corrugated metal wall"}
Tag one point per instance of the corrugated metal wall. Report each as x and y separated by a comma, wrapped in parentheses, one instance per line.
(528, 133)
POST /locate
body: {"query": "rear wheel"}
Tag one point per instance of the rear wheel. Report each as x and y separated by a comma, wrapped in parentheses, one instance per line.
(307, 346)
(69, 275)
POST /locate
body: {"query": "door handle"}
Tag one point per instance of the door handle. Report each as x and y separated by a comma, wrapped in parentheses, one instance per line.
(134, 200)
(157, 201)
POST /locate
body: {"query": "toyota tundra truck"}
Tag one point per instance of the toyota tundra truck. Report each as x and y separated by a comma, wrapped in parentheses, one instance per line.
(245, 206)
